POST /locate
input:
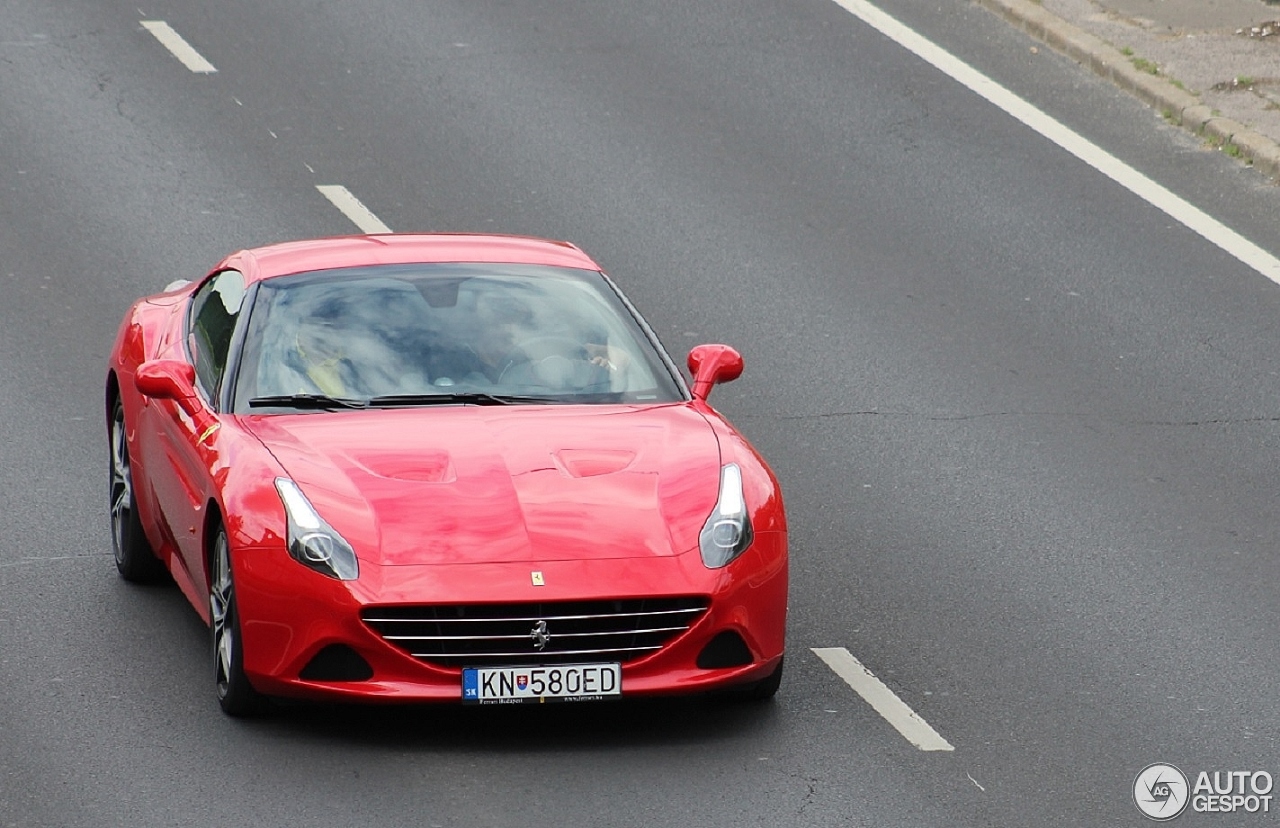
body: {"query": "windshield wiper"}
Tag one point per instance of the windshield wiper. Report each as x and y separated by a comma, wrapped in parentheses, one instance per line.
(456, 398)
(309, 401)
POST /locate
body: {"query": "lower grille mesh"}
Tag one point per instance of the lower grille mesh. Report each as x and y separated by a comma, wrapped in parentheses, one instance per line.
(473, 635)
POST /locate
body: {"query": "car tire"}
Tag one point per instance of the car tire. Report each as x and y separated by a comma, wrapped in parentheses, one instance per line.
(235, 694)
(764, 689)
(135, 560)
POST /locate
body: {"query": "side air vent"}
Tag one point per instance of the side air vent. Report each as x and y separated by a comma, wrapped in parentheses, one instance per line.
(725, 650)
(337, 662)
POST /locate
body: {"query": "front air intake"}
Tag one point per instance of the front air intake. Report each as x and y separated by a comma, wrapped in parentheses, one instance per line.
(725, 650)
(337, 662)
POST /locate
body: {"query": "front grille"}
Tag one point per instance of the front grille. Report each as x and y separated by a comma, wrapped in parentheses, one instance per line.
(507, 634)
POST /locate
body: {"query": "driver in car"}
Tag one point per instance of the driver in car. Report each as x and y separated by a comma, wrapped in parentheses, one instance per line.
(507, 348)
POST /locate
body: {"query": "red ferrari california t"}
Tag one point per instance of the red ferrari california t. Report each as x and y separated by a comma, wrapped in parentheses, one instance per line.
(441, 467)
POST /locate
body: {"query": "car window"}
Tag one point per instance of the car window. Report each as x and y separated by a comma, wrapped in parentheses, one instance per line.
(361, 333)
(215, 306)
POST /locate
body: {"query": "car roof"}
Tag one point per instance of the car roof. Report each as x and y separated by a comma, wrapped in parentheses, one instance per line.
(403, 248)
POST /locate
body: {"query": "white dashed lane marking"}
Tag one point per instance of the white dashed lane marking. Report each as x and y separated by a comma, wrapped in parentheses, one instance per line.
(895, 711)
(351, 207)
(1093, 155)
(180, 48)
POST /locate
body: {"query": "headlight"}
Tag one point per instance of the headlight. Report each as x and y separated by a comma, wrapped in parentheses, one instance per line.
(727, 533)
(313, 542)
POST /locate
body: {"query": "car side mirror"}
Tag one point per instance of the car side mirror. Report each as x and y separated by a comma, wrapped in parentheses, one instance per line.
(711, 365)
(168, 379)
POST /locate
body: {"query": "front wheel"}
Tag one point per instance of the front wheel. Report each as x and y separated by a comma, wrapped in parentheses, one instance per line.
(135, 560)
(235, 694)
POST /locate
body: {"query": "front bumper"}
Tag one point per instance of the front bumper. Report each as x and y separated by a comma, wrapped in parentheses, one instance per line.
(290, 616)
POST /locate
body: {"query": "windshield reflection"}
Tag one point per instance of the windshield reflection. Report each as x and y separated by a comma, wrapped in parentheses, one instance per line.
(449, 329)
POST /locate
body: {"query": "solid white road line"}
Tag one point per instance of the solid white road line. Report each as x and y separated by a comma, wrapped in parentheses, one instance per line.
(353, 209)
(895, 710)
(180, 48)
(1101, 160)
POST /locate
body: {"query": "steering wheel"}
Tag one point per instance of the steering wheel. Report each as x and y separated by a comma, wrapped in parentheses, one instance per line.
(540, 346)
(548, 357)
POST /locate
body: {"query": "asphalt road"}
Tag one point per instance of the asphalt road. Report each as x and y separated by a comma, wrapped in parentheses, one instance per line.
(1025, 421)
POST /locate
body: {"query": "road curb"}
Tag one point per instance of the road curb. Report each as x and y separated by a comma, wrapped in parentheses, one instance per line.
(1176, 105)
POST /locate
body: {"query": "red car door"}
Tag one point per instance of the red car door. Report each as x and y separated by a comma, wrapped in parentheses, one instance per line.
(177, 468)
(184, 456)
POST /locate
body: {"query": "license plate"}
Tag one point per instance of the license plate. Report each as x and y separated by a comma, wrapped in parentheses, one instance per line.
(567, 682)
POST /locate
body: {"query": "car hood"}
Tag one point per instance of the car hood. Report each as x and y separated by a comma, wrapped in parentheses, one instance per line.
(471, 484)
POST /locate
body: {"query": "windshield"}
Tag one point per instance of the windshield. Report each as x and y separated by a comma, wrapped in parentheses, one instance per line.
(398, 333)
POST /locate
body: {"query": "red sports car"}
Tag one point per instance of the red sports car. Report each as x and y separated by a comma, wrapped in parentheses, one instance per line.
(441, 467)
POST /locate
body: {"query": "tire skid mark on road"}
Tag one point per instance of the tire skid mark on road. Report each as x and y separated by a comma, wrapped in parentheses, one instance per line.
(894, 710)
(1074, 143)
(179, 47)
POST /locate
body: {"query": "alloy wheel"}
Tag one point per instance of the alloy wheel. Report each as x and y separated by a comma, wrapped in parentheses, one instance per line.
(221, 596)
(121, 487)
